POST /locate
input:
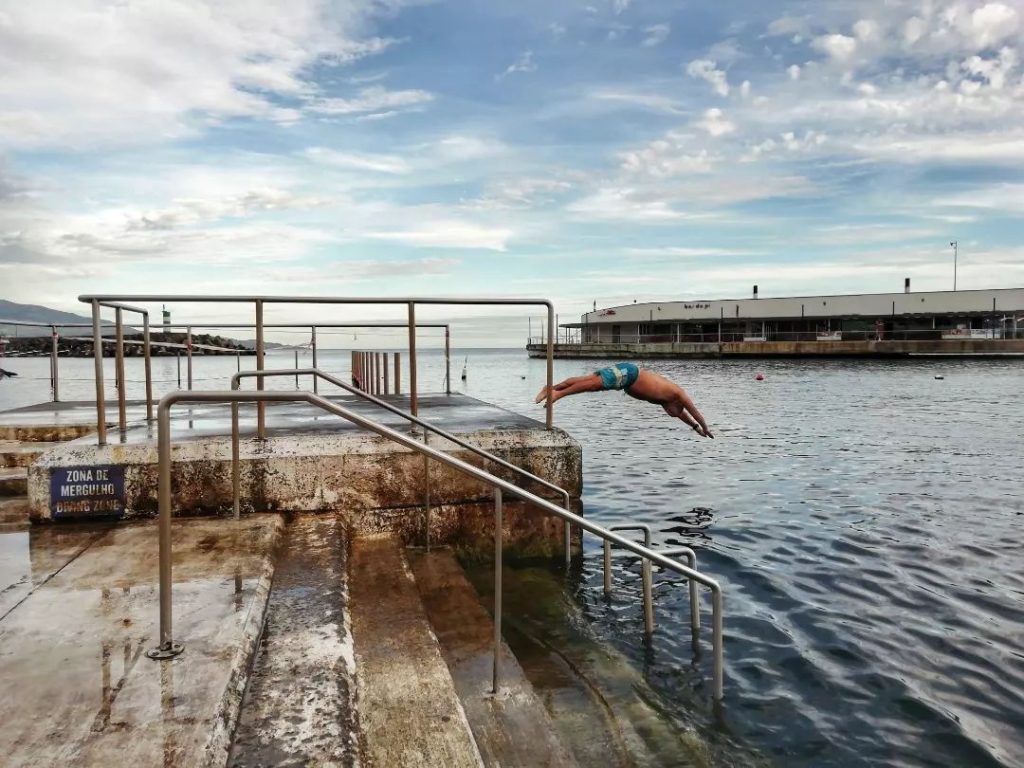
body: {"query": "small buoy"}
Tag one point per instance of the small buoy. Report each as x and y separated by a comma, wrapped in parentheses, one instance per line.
(940, 378)
(759, 377)
(522, 377)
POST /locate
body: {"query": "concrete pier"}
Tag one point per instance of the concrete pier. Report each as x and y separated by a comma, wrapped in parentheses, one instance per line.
(310, 462)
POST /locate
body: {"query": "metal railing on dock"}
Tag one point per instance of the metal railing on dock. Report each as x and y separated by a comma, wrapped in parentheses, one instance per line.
(259, 303)
(169, 649)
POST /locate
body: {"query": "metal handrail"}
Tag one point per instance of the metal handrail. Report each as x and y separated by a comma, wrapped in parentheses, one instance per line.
(97, 356)
(168, 648)
(259, 301)
(316, 373)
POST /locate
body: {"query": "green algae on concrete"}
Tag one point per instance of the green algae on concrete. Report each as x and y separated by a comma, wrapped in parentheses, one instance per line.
(73, 647)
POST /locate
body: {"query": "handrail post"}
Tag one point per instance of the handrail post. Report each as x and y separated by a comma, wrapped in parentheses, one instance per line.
(413, 393)
(312, 344)
(398, 373)
(717, 640)
(387, 374)
(97, 356)
(167, 648)
(647, 579)
(296, 369)
(498, 523)
(261, 412)
(122, 415)
(447, 360)
(550, 407)
(567, 530)
(55, 365)
(236, 471)
(188, 354)
(426, 486)
(147, 353)
(607, 568)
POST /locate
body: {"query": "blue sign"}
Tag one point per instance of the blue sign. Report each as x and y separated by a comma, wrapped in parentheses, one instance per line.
(87, 491)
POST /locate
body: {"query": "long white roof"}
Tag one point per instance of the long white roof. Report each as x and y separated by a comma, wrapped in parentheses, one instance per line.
(987, 301)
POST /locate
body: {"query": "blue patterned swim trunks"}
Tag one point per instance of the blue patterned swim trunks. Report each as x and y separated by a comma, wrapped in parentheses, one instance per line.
(619, 376)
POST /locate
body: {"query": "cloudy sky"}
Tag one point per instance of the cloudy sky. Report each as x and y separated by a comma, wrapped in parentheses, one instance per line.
(606, 150)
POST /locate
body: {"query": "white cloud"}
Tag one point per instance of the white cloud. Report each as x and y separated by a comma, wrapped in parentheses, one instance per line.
(838, 47)
(374, 99)
(707, 70)
(524, 63)
(82, 72)
(667, 157)
(793, 72)
(357, 161)
(715, 122)
(625, 204)
(656, 35)
(448, 234)
(656, 102)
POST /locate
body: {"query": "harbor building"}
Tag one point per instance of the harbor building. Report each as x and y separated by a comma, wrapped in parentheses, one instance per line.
(973, 322)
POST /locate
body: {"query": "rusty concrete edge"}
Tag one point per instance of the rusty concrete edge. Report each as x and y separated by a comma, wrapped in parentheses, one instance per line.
(225, 719)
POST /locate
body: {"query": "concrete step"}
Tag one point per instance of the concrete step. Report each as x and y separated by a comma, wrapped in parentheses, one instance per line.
(14, 510)
(13, 481)
(512, 729)
(409, 711)
(14, 453)
(299, 708)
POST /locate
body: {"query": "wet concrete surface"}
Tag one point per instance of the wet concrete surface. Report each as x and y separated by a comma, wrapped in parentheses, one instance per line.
(408, 708)
(79, 610)
(299, 709)
(512, 729)
(455, 413)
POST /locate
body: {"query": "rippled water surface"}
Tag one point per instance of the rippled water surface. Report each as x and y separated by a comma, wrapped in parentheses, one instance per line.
(865, 519)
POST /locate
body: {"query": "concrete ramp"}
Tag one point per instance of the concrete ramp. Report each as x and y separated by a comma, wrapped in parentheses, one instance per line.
(408, 707)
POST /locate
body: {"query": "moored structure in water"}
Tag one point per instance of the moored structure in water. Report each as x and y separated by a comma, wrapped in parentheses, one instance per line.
(975, 322)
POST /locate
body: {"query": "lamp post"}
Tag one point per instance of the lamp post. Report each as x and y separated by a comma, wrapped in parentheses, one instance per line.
(954, 245)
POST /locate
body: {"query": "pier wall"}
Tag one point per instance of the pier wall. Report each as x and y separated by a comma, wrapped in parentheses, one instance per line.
(374, 485)
(885, 348)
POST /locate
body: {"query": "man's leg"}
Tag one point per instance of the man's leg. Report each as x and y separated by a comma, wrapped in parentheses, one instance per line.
(572, 386)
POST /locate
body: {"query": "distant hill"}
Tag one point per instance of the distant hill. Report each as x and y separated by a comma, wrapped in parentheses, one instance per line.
(34, 313)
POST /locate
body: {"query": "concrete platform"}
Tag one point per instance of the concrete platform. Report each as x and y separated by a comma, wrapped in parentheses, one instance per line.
(78, 610)
(311, 461)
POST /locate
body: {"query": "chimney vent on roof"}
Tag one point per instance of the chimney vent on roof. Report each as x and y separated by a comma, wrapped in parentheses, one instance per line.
(755, 291)
(906, 285)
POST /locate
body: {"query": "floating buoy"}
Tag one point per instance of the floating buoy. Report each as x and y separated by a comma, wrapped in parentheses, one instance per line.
(940, 378)
(759, 377)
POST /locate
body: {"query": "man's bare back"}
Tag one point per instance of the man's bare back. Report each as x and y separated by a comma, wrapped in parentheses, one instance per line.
(639, 383)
